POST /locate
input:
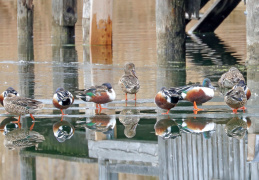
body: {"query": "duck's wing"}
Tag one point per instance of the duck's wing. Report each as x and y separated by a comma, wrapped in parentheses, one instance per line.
(90, 92)
(26, 102)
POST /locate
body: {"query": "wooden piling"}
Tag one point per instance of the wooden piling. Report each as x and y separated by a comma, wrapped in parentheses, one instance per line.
(252, 32)
(101, 22)
(64, 14)
(25, 18)
(170, 30)
(86, 20)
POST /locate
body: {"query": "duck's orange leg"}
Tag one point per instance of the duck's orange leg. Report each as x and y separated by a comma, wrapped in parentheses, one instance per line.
(135, 97)
(195, 107)
(234, 111)
(166, 112)
(62, 112)
(18, 120)
(32, 123)
(32, 117)
(126, 97)
(243, 108)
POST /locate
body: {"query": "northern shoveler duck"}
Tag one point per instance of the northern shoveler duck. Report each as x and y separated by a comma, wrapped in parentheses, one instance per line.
(20, 106)
(235, 98)
(129, 82)
(167, 128)
(242, 84)
(167, 99)
(198, 94)
(63, 130)
(62, 99)
(21, 138)
(101, 123)
(230, 78)
(7, 91)
(199, 126)
(98, 94)
(130, 121)
(236, 128)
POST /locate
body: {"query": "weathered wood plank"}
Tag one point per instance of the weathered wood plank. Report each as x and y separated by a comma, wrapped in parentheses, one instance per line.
(123, 150)
(101, 22)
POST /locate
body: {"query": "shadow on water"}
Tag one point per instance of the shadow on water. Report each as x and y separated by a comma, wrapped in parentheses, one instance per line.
(208, 49)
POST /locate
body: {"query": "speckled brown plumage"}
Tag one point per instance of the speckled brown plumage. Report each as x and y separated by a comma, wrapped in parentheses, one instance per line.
(129, 82)
(21, 106)
(230, 78)
(236, 98)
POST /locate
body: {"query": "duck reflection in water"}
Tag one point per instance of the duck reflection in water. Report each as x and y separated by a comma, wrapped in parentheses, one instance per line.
(237, 127)
(129, 118)
(22, 138)
(7, 125)
(63, 130)
(100, 123)
(167, 129)
(200, 125)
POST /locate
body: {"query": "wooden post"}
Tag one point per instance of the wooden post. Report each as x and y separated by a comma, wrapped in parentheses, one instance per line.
(170, 30)
(64, 15)
(25, 18)
(101, 22)
(86, 20)
(252, 32)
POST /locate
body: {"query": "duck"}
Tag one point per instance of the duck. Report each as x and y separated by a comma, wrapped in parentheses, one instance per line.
(203, 126)
(167, 99)
(235, 98)
(230, 78)
(236, 127)
(62, 99)
(98, 94)
(4, 94)
(242, 84)
(63, 130)
(167, 128)
(129, 81)
(22, 138)
(20, 106)
(101, 123)
(129, 118)
(197, 94)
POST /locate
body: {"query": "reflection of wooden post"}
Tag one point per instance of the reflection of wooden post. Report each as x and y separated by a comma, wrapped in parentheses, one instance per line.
(86, 20)
(252, 30)
(101, 22)
(25, 18)
(104, 172)
(28, 167)
(65, 76)
(64, 15)
(26, 69)
(170, 30)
